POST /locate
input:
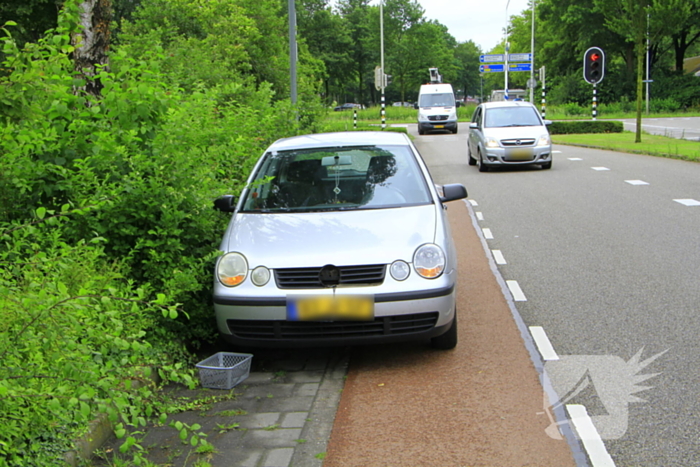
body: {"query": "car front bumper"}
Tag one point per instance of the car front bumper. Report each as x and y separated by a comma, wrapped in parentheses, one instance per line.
(398, 317)
(517, 155)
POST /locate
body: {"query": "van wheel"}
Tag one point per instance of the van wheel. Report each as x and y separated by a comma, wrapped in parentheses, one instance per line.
(455, 132)
(448, 340)
(420, 131)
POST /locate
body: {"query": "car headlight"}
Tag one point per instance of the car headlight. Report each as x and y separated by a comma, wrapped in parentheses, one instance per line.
(260, 276)
(232, 269)
(544, 140)
(491, 143)
(399, 270)
(429, 261)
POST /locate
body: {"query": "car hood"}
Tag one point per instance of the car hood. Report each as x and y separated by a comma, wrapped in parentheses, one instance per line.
(516, 132)
(372, 236)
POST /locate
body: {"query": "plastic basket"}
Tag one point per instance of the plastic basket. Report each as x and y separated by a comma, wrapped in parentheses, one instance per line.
(224, 370)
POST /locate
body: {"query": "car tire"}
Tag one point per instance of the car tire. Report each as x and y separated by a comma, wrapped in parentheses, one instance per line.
(471, 160)
(482, 166)
(455, 130)
(448, 340)
(547, 165)
(420, 131)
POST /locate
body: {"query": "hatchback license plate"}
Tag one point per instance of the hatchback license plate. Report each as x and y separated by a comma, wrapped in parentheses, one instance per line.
(520, 154)
(330, 308)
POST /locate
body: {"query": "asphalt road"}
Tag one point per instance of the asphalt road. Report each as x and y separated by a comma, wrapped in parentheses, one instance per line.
(604, 258)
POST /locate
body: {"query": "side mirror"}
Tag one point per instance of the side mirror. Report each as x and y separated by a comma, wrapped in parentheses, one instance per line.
(453, 192)
(473, 125)
(459, 104)
(226, 203)
(547, 122)
(415, 106)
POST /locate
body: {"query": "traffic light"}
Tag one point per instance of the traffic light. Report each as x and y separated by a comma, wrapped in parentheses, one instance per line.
(594, 65)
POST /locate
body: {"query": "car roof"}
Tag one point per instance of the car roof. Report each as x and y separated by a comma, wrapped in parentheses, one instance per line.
(343, 138)
(490, 105)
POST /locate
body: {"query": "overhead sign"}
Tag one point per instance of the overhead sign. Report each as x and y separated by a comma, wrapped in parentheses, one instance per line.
(500, 68)
(491, 58)
(519, 57)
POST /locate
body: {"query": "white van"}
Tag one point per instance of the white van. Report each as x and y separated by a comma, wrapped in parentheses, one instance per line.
(437, 108)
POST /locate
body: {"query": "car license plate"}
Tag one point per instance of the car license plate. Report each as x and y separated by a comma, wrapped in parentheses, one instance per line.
(439, 126)
(520, 154)
(330, 308)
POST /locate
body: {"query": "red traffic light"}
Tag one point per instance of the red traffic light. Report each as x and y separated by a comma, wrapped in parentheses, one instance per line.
(594, 65)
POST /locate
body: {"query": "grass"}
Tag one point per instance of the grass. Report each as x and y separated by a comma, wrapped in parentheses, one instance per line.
(653, 145)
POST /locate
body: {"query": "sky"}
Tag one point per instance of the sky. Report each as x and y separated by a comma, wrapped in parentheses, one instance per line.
(481, 21)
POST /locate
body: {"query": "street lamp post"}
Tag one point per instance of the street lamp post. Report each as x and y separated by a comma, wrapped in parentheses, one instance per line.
(532, 56)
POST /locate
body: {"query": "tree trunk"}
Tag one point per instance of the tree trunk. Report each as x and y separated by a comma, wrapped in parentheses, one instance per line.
(93, 43)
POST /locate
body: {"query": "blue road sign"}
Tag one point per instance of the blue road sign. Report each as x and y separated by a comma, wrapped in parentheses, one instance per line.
(491, 68)
(519, 57)
(500, 68)
(491, 58)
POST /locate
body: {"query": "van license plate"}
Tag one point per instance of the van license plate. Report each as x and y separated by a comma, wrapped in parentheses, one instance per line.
(330, 308)
(439, 126)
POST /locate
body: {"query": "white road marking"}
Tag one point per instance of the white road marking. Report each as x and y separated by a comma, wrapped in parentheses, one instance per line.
(473, 202)
(487, 234)
(599, 169)
(556, 152)
(575, 159)
(543, 344)
(688, 202)
(517, 292)
(592, 441)
(636, 182)
(498, 257)
(480, 215)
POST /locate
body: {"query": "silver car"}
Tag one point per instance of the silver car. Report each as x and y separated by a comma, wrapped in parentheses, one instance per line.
(338, 239)
(508, 133)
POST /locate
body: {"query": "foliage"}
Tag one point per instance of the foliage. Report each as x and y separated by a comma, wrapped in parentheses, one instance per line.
(579, 127)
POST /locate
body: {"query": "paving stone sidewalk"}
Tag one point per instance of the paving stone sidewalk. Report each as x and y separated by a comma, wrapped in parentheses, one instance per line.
(280, 416)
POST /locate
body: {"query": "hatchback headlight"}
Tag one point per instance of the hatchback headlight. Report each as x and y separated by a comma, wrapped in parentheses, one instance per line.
(429, 261)
(232, 269)
(544, 140)
(260, 276)
(399, 270)
(491, 143)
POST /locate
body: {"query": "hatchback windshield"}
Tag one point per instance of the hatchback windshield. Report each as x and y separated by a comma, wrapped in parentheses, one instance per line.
(511, 116)
(337, 178)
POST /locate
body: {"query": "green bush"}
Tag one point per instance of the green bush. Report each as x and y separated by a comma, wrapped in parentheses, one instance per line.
(588, 126)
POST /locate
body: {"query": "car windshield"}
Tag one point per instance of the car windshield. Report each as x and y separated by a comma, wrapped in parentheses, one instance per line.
(445, 99)
(337, 179)
(511, 116)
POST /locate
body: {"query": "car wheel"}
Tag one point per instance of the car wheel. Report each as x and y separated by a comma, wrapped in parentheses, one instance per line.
(420, 131)
(448, 340)
(455, 132)
(547, 165)
(482, 166)
(471, 160)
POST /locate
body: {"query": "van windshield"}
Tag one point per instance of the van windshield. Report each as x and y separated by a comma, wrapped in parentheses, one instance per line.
(445, 99)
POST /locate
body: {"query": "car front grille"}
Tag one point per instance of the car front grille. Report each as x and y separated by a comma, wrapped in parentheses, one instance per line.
(308, 278)
(310, 330)
(437, 118)
(518, 142)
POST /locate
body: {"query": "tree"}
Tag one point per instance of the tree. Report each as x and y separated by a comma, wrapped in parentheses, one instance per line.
(468, 77)
(92, 41)
(637, 18)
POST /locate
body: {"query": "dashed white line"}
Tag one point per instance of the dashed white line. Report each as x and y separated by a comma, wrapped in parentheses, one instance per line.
(636, 182)
(473, 202)
(575, 159)
(592, 441)
(516, 291)
(498, 257)
(688, 202)
(600, 169)
(542, 342)
(480, 215)
(487, 234)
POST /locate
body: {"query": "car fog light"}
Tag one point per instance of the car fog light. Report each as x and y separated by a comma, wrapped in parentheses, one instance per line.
(260, 276)
(232, 269)
(429, 261)
(399, 270)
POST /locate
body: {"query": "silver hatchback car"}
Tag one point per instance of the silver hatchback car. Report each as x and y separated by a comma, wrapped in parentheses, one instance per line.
(338, 239)
(508, 133)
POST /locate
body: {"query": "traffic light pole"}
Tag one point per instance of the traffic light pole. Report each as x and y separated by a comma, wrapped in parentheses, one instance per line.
(383, 82)
(595, 103)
